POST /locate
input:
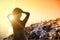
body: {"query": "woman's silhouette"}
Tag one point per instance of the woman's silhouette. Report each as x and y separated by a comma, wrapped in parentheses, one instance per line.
(18, 25)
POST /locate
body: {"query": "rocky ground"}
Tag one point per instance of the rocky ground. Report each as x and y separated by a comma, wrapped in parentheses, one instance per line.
(42, 31)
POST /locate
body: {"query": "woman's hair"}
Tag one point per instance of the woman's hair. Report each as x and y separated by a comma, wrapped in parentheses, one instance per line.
(17, 10)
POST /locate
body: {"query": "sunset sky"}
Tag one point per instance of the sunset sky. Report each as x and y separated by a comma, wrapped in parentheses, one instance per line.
(40, 10)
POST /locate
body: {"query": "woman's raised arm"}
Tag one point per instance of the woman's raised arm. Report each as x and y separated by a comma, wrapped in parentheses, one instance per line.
(27, 16)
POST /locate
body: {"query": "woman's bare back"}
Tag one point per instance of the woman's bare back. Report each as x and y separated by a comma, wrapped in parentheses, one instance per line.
(19, 28)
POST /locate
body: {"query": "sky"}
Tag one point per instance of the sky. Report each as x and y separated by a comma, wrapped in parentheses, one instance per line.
(40, 10)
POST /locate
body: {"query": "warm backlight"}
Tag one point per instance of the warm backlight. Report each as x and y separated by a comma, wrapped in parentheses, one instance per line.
(11, 17)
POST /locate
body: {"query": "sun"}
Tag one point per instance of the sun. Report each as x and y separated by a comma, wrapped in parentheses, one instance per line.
(11, 17)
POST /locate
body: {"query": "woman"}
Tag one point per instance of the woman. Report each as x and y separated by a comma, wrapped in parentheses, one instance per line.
(19, 25)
